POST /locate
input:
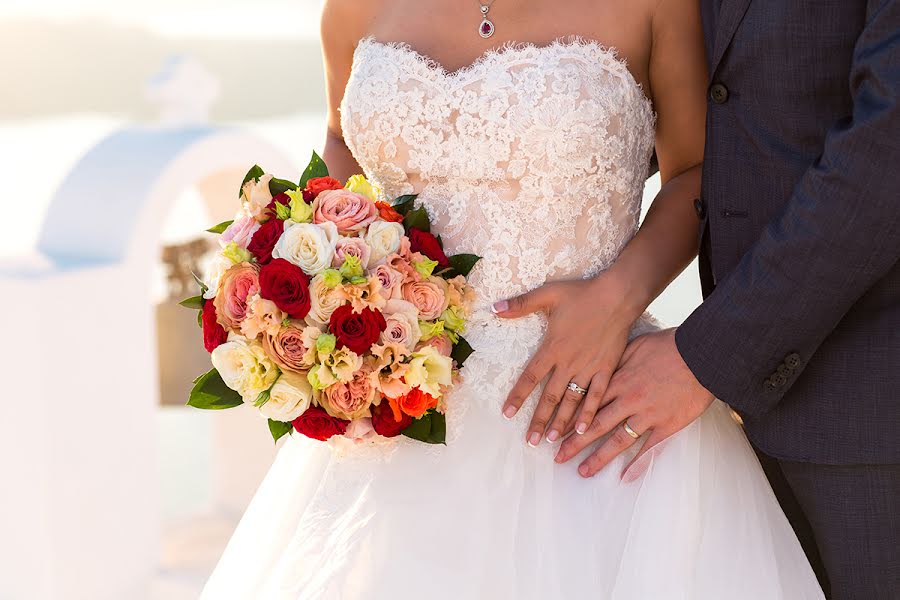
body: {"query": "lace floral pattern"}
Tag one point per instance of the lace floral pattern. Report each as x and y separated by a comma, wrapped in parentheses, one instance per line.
(533, 157)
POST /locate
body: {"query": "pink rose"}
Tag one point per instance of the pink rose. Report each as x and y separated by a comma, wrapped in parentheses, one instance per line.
(351, 246)
(428, 296)
(236, 286)
(402, 320)
(288, 348)
(390, 279)
(350, 400)
(240, 231)
(442, 343)
(351, 212)
(361, 430)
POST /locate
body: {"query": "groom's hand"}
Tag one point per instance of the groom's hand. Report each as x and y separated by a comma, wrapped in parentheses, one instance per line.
(653, 391)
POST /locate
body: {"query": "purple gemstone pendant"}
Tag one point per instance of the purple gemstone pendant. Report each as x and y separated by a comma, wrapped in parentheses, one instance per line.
(486, 29)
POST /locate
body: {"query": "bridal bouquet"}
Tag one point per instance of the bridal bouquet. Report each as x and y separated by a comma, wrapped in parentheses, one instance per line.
(332, 312)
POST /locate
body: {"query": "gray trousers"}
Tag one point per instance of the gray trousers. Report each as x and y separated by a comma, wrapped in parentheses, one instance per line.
(848, 520)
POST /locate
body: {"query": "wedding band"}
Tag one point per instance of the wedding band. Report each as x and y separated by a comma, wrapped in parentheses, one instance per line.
(629, 430)
(574, 387)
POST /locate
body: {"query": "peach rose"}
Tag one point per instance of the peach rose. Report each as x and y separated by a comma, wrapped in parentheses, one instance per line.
(287, 347)
(236, 286)
(403, 266)
(349, 211)
(257, 196)
(460, 294)
(349, 246)
(429, 296)
(350, 400)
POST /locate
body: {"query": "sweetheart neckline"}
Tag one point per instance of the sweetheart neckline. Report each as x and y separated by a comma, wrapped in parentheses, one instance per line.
(512, 48)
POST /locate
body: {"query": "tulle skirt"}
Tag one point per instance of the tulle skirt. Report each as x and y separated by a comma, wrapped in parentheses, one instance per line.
(487, 516)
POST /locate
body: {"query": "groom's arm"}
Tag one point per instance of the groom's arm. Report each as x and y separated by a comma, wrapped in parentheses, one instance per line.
(838, 235)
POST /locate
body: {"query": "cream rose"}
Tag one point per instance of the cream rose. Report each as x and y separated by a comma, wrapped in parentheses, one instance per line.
(383, 238)
(214, 271)
(323, 300)
(257, 196)
(310, 247)
(349, 211)
(244, 366)
(289, 398)
(429, 296)
(402, 320)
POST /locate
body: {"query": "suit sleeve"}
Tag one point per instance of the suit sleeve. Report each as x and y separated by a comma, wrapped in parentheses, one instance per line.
(836, 237)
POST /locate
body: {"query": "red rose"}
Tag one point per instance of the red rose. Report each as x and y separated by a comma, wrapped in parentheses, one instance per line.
(264, 239)
(317, 424)
(316, 185)
(357, 331)
(282, 198)
(286, 285)
(387, 212)
(214, 334)
(385, 422)
(427, 244)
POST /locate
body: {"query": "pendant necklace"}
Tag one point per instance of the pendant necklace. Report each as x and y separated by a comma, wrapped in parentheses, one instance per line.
(486, 28)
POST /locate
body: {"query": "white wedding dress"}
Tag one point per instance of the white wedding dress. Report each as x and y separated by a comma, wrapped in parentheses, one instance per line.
(534, 158)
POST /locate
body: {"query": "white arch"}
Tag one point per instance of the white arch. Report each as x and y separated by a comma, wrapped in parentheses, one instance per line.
(79, 507)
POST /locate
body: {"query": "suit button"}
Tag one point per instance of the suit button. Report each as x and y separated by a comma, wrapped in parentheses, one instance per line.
(718, 93)
(779, 380)
(770, 384)
(785, 370)
(700, 208)
(792, 360)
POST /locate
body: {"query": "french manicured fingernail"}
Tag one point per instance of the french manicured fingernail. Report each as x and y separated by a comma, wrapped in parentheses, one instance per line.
(499, 307)
(581, 428)
(583, 471)
(552, 436)
(509, 412)
(534, 439)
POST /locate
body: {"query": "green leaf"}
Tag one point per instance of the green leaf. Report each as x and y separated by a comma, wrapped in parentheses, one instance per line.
(430, 428)
(280, 186)
(254, 173)
(404, 204)
(461, 351)
(195, 302)
(463, 263)
(203, 286)
(211, 393)
(417, 218)
(220, 227)
(315, 168)
(200, 319)
(440, 241)
(279, 429)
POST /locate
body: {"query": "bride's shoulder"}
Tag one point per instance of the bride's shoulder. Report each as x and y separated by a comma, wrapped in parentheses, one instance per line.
(346, 21)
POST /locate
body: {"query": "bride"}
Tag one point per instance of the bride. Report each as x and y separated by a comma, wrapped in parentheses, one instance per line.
(527, 129)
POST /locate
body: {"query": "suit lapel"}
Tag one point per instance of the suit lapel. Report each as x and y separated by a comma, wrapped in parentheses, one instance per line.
(731, 13)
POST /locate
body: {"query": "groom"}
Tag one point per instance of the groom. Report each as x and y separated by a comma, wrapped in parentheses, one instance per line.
(800, 240)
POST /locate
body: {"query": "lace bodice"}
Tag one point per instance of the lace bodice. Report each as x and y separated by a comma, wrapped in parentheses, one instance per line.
(533, 157)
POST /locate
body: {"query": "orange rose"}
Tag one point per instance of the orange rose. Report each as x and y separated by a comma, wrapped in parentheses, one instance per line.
(416, 403)
(316, 185)
(387, 212)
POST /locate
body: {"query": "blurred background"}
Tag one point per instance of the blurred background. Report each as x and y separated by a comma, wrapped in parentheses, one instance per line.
(125, 129)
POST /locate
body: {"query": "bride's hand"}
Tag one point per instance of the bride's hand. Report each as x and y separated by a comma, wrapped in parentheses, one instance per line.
(588, 326)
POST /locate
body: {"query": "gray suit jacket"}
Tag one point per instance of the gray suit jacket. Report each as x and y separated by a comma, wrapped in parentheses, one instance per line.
(800, 226)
